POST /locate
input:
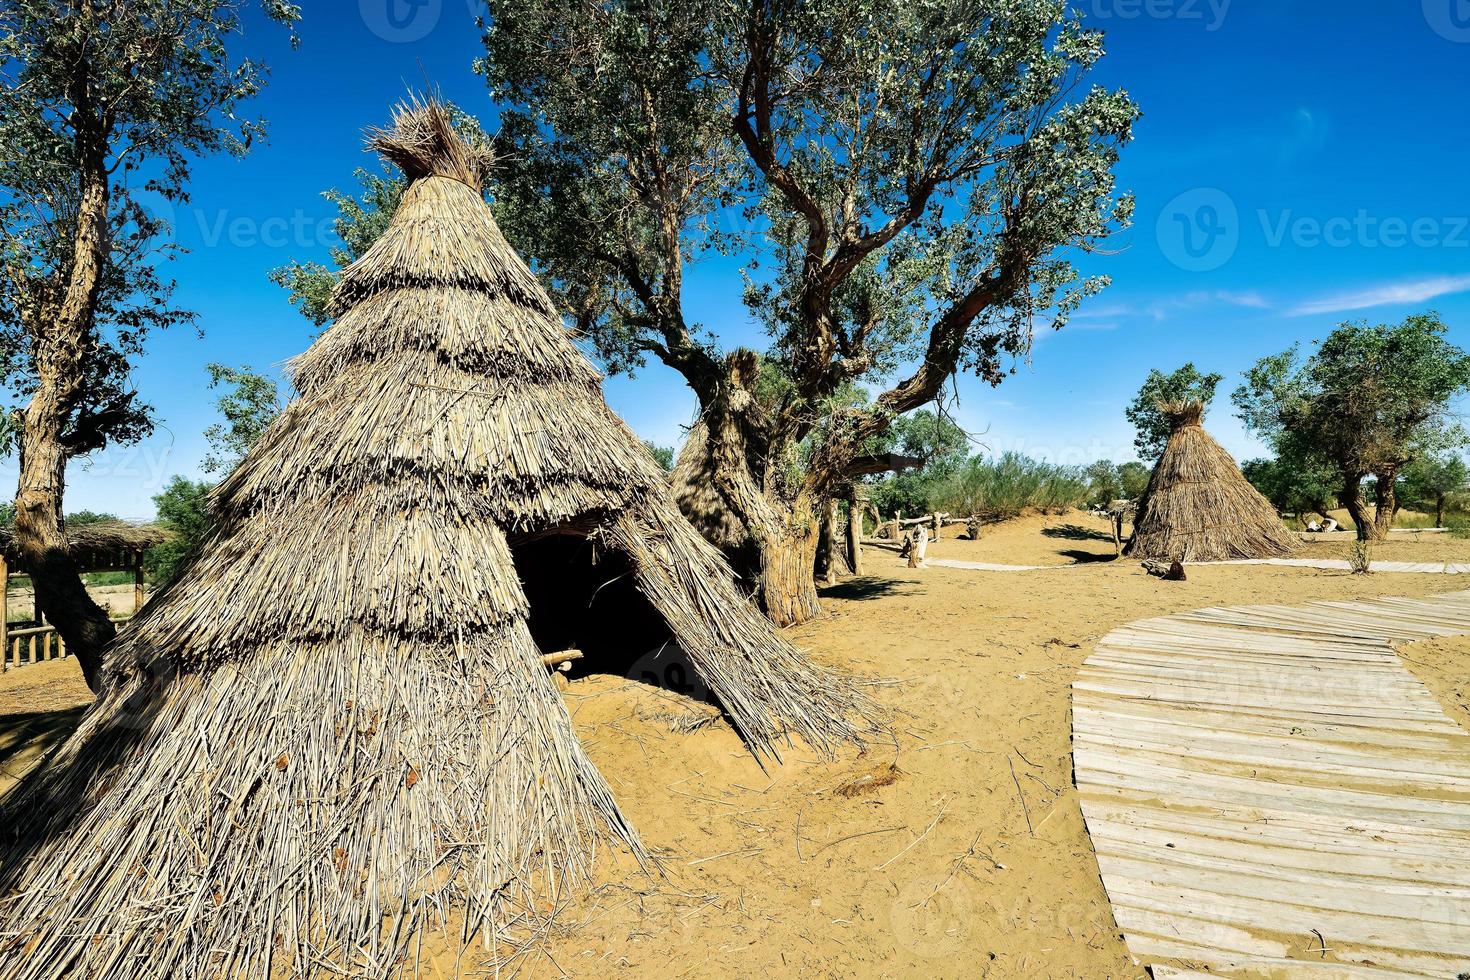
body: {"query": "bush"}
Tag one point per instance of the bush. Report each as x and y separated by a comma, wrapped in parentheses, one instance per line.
(1006, 487)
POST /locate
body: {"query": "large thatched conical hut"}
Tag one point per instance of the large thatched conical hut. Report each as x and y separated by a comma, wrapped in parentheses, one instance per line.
(1198, 505)
(339, 723)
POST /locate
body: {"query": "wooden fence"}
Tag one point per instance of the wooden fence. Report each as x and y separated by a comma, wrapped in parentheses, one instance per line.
(33, 645)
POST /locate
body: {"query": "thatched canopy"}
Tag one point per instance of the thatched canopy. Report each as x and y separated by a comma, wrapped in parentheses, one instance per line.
(1198, 505)
(102, 544)
(337, 723)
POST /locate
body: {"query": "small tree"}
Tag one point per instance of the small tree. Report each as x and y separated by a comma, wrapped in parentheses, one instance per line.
(183, 508)
(1134, 477)
(99, 101)
(249, 403)
(1369, 402)
(1104, 483)
(1430, 481)
(664, 455)
(1295, 486)
(931, 437)
(1185, 384)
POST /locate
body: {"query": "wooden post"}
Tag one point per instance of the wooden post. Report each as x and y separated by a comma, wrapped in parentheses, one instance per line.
(831, 550)
(4, 614)
(137, 582)
(857, 506)
(919, 544)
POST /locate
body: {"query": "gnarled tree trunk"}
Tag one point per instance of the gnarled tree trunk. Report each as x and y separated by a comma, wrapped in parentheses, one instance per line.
(59, 333)
(1387, 506)
(60, 595)
(1372, 524)
(788, 557)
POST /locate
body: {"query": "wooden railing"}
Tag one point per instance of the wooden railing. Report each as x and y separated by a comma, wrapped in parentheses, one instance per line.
(34, 644)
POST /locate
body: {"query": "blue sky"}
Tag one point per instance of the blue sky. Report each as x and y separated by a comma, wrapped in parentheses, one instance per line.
(1297, 165)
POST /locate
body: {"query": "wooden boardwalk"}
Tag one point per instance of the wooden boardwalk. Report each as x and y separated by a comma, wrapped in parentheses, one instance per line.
(1325, 564)
(1271, 793)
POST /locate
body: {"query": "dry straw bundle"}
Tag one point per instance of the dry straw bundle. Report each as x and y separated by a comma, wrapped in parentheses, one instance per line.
(1198, 505)
(338, 724)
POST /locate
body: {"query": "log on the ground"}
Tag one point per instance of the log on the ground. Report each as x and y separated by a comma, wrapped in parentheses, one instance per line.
(1168, 571)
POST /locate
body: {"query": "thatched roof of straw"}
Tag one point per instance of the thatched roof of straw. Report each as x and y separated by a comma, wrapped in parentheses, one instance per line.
(102, 543)
(1198, 505)
(698, 497)
(337, 723)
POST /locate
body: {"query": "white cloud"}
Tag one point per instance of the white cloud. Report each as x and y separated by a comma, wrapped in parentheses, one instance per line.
(1161, 309)
(1387, 295)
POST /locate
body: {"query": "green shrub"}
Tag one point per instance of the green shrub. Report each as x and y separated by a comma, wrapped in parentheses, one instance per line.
(1007, 486)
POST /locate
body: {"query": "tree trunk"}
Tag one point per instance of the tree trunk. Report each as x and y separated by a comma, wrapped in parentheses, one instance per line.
(1439, 510)
(1357, 508)
(59, 334)
(788, 587)
(857, 503)
(830, 563)
(60, 595)
(782, 523)
(1387, 505)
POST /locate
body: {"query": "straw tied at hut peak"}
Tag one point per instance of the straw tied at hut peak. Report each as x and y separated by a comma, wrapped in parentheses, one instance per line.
(308, 777)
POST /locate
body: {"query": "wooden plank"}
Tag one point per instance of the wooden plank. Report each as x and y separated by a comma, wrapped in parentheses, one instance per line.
(1257, 772)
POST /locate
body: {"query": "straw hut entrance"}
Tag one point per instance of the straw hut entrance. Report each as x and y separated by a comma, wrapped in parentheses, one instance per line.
(1199, 506)
(338, 724)
(584, 597)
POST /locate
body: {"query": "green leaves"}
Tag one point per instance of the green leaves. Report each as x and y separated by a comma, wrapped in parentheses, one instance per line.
(1370, 399)
(877, 165)
(249, 405)
(1184, 384)
(183, 507)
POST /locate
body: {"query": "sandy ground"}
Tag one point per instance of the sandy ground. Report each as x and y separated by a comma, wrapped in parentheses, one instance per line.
(956, 849)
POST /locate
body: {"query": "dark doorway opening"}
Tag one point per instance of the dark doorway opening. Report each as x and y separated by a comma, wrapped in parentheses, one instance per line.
(584, 597)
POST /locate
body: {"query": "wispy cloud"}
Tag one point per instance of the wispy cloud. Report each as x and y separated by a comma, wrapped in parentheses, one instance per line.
(1387, 295)
(1162, 309)
(1247, 298)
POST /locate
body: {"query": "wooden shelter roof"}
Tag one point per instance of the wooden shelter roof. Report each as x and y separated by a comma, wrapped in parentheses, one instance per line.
(105, 544)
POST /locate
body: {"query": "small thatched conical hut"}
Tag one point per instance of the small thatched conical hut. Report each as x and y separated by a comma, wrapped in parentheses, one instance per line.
(339, 723)
(1198, 505)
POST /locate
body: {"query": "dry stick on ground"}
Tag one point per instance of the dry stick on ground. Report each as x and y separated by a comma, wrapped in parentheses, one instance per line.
(865, 833)
(938, 817)
(1024, 808)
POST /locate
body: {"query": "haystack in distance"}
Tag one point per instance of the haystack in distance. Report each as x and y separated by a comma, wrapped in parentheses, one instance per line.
(337, 724)
(1199, 506)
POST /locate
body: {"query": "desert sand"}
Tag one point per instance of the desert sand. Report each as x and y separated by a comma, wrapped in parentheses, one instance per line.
(954, 849)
